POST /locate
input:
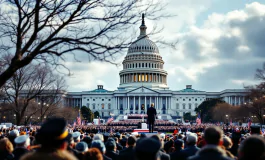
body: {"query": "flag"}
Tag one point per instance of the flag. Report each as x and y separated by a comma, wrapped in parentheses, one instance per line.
(110, 120)
(198, 120)
(249, 123)
(78, 119)
(74, 124)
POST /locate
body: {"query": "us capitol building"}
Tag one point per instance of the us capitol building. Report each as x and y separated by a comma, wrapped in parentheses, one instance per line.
(143, 81)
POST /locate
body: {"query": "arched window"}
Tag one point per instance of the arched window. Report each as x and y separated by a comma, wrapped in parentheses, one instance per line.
(136, 65)
(152, 65)
(149, 65)
(146, 65)
(109, 106)
(142, 65)
(94, 106)
(133, 65)
(155, 65)
(102, 106)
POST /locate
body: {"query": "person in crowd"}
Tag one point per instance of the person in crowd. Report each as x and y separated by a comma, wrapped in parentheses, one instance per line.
(147, 149)
(235, 141)
(191, 148)
(6, 149)
(151, 113)
(162, 155)
(118, 145)
(98, 137)
(92, 154)
(169, 146)
(111, 149)
(252, 148)
(76, 137)
(227, 144)
(177, 154)
(12, 135)
(212, 150)
(128, 153)
(88, 141)
(22, 146)
(81, 148)
(100, 145)
(53, 137)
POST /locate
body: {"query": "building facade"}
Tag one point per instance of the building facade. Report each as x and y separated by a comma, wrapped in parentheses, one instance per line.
(143, 81)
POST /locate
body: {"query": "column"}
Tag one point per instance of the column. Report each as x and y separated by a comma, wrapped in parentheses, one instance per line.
(133, 104)
(145, 103)
(118, 103)
(139, 107)
(150, 101)
(128, 105)
(156, 101)
(166, 102)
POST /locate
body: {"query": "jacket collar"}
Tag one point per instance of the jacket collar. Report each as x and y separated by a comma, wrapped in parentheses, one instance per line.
(211, 149)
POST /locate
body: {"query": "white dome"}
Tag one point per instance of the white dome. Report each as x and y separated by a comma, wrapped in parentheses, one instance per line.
(143, 44)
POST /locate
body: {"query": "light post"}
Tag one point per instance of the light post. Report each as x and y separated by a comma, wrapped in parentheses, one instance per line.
(15, 118)
(227, 118)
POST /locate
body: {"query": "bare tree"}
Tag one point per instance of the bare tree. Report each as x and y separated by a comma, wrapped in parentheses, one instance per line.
(26, 85)
(46, 30)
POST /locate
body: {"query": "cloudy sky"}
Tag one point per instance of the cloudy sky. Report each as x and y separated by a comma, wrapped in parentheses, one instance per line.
(220, 45)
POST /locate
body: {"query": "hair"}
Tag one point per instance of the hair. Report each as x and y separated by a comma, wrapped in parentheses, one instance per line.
(213, 135)
(192, 139)
(6, 145)
(92, 154)
(227, 143)
(252, 148)
(131, 141)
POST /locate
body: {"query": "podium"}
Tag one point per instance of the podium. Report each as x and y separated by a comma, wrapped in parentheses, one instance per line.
(144, 126)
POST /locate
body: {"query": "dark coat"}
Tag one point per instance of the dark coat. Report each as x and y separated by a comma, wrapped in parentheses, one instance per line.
(164, 156)
(127, 154)
(106, 158)
(6, 156)
(177, 155)
(151, 113)
(18, 152)
(190, 151)
(210, 152)
(112, 155)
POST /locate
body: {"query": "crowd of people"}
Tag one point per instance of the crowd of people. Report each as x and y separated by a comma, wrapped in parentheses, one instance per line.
(55, 139)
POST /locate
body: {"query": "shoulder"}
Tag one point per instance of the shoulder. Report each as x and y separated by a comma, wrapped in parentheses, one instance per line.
(53, 155)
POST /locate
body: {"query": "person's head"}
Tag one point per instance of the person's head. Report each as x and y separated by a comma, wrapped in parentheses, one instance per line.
(6, 145)
(99, 145)
(252, 147)
(93, 154)
(22, 141)
(157, 138)
(131, 141)
(76, 137)
(88, 140)
(53, 134)
(168, 145)
(179, 144)
(110, 145)
(191, 139)
(147, 149)
(227, 143)
(98, 137)
(213, 135)
(81, 147)
(152, 104)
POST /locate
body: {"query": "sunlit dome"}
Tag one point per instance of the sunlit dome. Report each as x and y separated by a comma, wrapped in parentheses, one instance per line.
(143, 43)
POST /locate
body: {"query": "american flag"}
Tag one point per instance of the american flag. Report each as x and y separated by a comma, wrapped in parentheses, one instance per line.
(110, 119)
(78, 119)
(198, 120)
(74, 124)
(249, 122)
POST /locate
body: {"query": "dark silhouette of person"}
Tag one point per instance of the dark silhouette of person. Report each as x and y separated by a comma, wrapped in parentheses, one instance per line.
(151, 115)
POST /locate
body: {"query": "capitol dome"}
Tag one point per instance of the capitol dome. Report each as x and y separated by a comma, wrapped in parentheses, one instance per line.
(143, 65)
(143, 44)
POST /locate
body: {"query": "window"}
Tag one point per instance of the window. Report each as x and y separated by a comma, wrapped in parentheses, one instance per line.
(102, 106)
(109, 99)
(102, 99)
(196, 105)
(189, 99)
(87, 99)
(94, 106)
(189, 106)
(109, 106)
(93, 99)
(177, 99)
(195, 99)
(183, 99)
(183, 106)
(87, 105)
(177, 107)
